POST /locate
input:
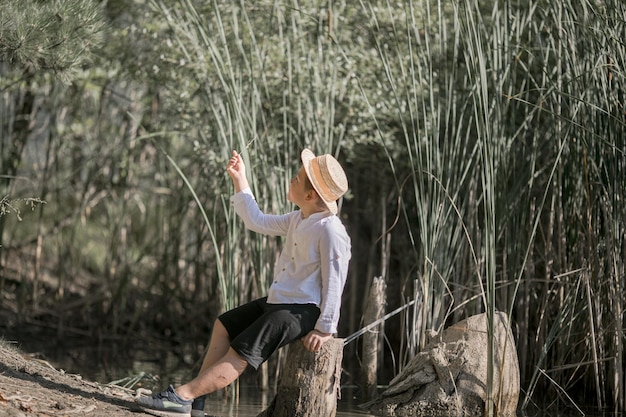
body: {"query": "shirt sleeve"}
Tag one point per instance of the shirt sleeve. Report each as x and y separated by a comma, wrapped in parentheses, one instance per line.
(334, 257)
(247, 208)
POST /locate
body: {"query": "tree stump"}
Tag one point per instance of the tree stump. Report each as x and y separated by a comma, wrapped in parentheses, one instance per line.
(310, 385)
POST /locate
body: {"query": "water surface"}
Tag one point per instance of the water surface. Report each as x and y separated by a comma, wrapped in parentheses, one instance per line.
(250, 404)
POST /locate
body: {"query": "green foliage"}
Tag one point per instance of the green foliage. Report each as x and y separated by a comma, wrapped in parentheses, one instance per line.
(57, 36)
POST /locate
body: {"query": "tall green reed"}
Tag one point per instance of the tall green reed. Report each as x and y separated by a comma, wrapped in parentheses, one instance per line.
(509, 101)
(581, 99)
(442, 155)
(487, 109)
(266, 94)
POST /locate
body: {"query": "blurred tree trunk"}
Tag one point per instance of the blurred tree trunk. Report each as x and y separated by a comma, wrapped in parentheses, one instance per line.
(16, 128)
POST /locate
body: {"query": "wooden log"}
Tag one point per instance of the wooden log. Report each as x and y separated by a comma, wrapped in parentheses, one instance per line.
(310, 385)
(374, 310)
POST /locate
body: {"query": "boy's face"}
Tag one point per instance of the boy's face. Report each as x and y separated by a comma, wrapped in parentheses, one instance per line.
(297, 190)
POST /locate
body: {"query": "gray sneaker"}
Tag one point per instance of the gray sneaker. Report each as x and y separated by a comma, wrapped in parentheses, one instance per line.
(166, 404)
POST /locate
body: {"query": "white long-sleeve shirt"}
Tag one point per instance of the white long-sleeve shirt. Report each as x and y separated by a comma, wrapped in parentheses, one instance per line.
(313, 265)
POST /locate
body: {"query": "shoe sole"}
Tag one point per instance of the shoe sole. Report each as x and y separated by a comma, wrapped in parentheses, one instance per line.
(160, 413)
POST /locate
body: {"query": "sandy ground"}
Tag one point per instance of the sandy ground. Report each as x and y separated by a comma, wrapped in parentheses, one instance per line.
(31, 387)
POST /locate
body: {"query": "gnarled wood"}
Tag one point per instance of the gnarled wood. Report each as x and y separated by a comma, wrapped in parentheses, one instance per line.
(450, 376)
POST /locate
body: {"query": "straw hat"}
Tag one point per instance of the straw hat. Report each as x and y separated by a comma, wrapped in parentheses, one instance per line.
(327, 177)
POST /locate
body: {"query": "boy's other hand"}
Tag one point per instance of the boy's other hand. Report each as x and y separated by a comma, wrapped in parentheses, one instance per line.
(314, 340)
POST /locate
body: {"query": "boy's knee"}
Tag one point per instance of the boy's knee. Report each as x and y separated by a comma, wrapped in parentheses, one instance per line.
(238, 361)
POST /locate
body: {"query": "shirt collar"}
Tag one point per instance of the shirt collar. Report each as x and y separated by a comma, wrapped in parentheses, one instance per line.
(317, 216)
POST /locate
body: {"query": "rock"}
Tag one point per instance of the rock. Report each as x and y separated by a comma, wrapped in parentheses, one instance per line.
(449, 377)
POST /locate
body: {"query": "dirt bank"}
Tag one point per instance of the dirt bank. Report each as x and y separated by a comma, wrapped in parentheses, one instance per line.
(31, 387)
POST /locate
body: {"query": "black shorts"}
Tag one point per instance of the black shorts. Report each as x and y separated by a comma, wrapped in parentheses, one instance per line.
(258, 329)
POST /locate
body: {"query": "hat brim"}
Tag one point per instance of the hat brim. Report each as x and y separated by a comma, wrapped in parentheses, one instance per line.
(307, 156)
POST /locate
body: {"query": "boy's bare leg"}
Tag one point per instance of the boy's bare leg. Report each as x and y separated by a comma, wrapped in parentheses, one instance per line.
(218, 346)
(216, 376)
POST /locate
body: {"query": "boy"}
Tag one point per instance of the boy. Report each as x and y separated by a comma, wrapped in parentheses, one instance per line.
(304, 299)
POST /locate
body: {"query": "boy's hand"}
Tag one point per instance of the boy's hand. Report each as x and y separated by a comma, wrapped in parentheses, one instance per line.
(236, 169)
(314, 340)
